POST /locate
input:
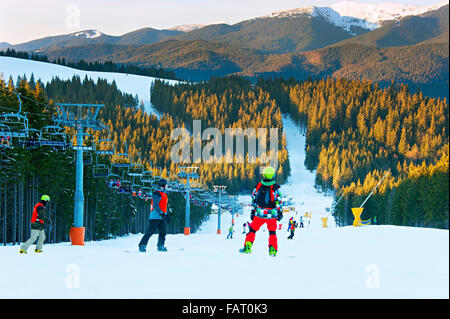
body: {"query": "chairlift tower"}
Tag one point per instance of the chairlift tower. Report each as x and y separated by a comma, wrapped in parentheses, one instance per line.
(188, 173)
(81, 117)
(220, 189)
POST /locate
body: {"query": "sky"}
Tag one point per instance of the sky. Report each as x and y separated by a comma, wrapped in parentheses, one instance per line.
(22, 21)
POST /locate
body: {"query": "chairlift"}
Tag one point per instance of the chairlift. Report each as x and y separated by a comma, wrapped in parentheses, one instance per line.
(17, 123)
(157, 177)
(33, 141)
(113, 180)
(122, 159)
(125, 187)
(5, 136)
(136, 189)
(54, 136)
(100, 170)
(87, 144)
(147, 177)
(135, 169)
(106, 146)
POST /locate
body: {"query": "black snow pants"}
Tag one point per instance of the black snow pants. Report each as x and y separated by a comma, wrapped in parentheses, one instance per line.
(155, 226)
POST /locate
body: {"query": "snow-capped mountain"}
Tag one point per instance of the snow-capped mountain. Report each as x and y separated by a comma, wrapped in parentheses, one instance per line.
(376, 13)
(188, 27)
(348, 14)
(88, 34)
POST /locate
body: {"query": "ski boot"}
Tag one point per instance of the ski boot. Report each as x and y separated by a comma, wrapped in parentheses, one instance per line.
(247, 248)
(38, 251)
(162, 248)
(23, 251)
(142, 249)
(272, 251)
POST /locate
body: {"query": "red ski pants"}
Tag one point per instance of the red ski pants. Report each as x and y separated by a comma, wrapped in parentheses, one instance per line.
(271, 227)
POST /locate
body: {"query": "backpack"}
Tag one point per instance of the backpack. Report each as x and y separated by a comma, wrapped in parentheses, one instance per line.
(264, 196)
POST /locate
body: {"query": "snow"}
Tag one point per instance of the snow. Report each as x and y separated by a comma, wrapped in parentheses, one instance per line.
(89, 34)
(376, 13)
(128, 83)
(348, 14)
(189, 27)
(347, 262)
(375, 262)
(300, 182)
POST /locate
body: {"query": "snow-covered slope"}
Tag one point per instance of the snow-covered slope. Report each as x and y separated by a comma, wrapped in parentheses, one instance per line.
(300, 184)
(128, 83)
(348, 262)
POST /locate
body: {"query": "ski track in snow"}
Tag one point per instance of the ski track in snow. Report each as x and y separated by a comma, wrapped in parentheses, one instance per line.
(348, 262)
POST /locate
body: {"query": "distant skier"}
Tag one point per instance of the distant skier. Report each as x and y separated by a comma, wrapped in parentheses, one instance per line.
(158, 218)
(301, 222)
(267, 209)
(290, 223)
(244, 228)
(293, 227)
(38, 219)
(230, 232)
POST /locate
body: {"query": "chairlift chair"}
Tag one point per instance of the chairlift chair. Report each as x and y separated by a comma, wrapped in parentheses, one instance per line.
(87, 144)
(5, 136)
(100, 170)
(105, 147)
(147, 177)
(122, 160)
(17, 123)
(33, 141)
(125, 187)
(135, 169)
(135, 189)
(54, 136)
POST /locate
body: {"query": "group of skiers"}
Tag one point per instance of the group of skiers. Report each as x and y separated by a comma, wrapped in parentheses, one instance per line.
(267, 209)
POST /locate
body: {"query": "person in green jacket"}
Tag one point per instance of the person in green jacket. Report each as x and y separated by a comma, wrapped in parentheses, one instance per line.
(230, 232)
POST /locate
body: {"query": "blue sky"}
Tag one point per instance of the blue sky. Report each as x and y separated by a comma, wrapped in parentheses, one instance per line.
(23, 21)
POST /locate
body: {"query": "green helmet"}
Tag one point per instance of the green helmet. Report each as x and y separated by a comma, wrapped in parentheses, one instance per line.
(269, 172)
(45, 198)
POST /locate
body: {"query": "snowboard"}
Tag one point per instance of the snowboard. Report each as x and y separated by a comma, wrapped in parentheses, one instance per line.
(136, 251)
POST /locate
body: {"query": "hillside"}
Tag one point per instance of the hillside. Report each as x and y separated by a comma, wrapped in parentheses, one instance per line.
(90, 37)
(423, 65)
(276, 34)
(407, 31)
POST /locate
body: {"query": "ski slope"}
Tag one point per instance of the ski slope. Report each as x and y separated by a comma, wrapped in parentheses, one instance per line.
(127, 83)
(301, 181)
(323, 263)
(387, 262)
